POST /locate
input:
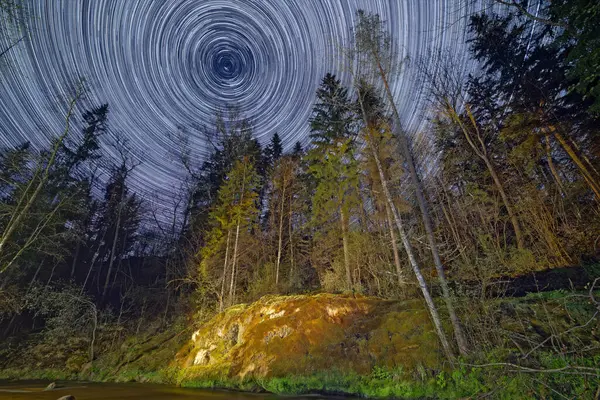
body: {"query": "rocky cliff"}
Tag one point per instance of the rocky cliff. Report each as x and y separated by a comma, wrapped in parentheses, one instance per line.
(307, 335)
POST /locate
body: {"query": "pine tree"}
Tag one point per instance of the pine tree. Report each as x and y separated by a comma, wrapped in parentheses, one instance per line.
(274, 150)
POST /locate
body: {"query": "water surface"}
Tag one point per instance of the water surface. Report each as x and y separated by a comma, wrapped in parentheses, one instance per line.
(128, 391)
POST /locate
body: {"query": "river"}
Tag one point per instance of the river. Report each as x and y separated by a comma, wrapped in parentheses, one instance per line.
(131, 391)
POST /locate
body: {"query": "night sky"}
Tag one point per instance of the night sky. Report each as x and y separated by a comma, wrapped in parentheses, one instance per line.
(164, 64)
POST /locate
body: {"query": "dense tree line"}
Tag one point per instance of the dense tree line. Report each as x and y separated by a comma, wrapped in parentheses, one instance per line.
(510, 185)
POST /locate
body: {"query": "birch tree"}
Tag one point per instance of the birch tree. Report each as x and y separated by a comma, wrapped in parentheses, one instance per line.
(376, 57)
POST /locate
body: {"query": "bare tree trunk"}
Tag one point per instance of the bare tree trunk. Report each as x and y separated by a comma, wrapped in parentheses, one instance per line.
(94, 258)
(394, 240)
(225, 265)
(235, 246)
(234, 263)
(37, 271)
(573, 154)
(93, 341)
(452, 224)
(113, 249)
(507, 204)
(51, 274)
(280, 240)
(458, 331)
(481, 152)
(343, 222)
(290, 233)
(164, 320)
(9, 48)
(75, 258)
(552, 167)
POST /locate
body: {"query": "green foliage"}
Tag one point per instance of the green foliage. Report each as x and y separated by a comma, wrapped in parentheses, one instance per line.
(581, 33)
(233, 218)
(65, 310)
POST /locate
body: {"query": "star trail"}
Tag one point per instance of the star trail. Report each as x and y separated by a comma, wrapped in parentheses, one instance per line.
(166, 64)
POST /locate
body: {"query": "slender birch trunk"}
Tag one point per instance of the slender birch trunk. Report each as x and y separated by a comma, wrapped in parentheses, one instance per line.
(290, 234)
(237, 236)
(225, 265)
(234, 263)
(280, 239)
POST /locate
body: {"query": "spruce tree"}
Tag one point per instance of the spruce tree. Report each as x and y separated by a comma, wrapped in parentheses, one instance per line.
(332, 161)
(232, 219)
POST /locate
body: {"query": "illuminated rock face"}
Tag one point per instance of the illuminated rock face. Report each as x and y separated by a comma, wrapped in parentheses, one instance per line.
(302, 335)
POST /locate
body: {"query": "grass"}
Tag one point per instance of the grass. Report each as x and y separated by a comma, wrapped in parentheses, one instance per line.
(462, 382)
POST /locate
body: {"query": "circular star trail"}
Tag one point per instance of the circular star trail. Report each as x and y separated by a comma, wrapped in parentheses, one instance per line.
(167, 64)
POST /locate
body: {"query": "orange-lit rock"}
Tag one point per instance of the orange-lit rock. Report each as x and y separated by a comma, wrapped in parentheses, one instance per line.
(302, 335)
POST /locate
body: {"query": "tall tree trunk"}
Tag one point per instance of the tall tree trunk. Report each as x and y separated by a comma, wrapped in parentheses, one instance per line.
(37, 271)
(94, 258)
(280, 239)
(234, 264)
(449, 216)
(552, 167)
(225, 265)
(394, 240)
(481, 151)
(344, 222)
(579, 162)
(507, 203)
(113, 249)
(51, 274)
(458, 331)
(75, 258)
(235, 246)
(290, 234)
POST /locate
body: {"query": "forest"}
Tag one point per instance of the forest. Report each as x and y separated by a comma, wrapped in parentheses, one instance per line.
(501, 187)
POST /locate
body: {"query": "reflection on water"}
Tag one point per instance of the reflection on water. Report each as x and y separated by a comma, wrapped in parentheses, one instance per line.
(97, 391)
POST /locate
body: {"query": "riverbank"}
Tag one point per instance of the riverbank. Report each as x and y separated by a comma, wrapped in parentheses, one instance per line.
(34, 390)
(340, 344)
